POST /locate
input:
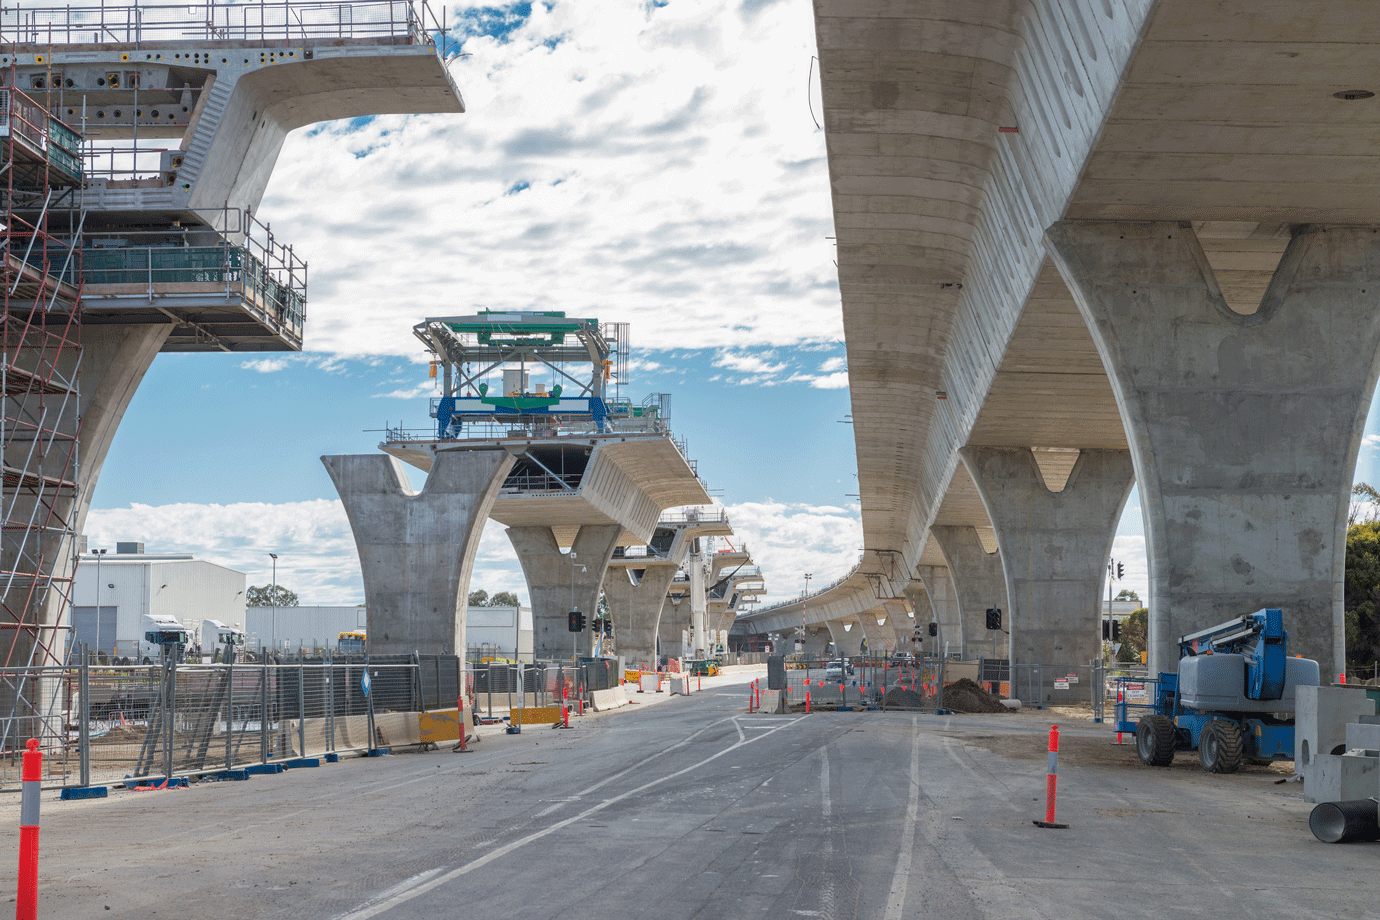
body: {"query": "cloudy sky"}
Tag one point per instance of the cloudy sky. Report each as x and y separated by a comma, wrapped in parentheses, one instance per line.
(655, 163)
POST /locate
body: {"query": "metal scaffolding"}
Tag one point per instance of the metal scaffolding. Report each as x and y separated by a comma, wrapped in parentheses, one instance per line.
(40, 411)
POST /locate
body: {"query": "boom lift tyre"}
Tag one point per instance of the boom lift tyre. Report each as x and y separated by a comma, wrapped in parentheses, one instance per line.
(1155, 741)
(1221, 747)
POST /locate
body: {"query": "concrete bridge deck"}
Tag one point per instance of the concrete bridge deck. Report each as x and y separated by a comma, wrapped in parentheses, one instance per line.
(998, 169)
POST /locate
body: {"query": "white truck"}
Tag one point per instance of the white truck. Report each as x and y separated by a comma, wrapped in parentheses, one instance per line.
(162, 634)
(215, 636)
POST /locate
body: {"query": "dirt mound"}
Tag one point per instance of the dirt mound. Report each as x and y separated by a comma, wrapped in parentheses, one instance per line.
(897, 698)
(965, 696)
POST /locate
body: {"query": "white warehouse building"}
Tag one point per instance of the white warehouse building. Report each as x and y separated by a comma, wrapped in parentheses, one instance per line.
(129, 583)
(489, 631)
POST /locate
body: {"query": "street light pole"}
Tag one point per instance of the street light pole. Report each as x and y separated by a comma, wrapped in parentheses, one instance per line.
(98, 553)
(273, 598)
(803, 604)
(574, 640)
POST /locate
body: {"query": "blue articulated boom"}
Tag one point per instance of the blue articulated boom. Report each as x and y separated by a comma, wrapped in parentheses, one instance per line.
(1231, 699)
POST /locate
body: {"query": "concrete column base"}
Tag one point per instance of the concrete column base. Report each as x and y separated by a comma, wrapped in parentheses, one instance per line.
(558, 584)
(1054, 547)
(417, 550)
(1245, 428)
(636, 610)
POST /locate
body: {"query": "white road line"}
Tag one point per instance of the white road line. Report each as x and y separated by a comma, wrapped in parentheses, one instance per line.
(382, 903)
(896, 901)
(826, 806)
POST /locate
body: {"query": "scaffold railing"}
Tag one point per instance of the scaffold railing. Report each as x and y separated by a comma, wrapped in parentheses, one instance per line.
(40, 418)
(382, 21)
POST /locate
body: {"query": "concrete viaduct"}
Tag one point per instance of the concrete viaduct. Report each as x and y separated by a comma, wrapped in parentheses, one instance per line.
(1090, 244)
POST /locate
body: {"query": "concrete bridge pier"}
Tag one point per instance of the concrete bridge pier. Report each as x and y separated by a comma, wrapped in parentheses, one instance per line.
(417, 550)
(1244, 426)
(557, 584)
(902, 622)
(979, 583)
(817, 640)
(878, 643)
(944, 609)
(670, 630)
(1054, 547)
(636, 609)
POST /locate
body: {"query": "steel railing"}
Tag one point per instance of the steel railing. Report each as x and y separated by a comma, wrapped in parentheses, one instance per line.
(404, 21)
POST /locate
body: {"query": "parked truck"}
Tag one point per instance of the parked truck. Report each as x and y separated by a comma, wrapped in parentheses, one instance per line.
(163, 636)
(216, 636)
(1232, 697)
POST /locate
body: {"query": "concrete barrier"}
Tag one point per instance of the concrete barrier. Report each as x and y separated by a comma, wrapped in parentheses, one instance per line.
(649, 683)
(604, 700)
(773, 701)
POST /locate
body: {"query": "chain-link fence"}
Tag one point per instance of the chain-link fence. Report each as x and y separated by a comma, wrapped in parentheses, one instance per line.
(102, 724)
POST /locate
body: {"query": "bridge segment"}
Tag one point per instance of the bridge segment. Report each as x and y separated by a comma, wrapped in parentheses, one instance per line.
(959, 134)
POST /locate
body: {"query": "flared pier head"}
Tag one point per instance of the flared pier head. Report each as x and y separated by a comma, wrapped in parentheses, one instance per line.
(1244, 419)
(1054, 549)
(417, 549)
(639, 577)
(568, 503)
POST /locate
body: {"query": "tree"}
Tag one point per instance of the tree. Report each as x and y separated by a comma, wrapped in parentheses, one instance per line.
(1361, 599)
(1365, 505)
(269, 596)
(1133, 635)
(1127, 595)
(481, 598)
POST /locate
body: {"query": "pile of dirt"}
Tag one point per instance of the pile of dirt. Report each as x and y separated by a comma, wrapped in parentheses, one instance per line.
(965, 696)
(897, 698)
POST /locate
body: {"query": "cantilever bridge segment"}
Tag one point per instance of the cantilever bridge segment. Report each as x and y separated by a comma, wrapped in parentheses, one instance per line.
(1144, 228)
(143, 137)
(591, 470)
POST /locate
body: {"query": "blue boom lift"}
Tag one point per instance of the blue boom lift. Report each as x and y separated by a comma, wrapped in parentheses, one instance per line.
(1232, 698)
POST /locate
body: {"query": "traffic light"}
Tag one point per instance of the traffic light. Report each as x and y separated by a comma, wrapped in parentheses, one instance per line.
(576, 621)
(1106, 630)
(608, 627)
(994, 618)
(934, 629)
(1116, 630)
(1120, 571)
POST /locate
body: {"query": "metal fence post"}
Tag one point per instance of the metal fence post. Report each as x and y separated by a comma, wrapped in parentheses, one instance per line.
(84, 714)
(301, 708)
(229, 710)
(171, 717)
(263, 711)
(330, 705)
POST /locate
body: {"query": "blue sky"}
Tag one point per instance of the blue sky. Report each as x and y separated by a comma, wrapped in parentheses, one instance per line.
(643, 162)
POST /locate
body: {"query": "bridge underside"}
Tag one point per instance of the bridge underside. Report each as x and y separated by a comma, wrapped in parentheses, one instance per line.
(959, 134)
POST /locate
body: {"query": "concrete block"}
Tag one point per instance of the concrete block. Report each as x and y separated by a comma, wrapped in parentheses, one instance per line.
(679, 686)
(612, 698)
(1341, 778)
(1320, 721)
(397, 728)
(649, 683)
(1362, 736)
(774, 701)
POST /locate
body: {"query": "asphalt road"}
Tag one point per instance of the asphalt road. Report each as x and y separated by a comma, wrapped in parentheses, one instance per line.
(695, 808)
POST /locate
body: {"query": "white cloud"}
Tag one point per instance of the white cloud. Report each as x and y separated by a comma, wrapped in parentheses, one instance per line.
(317, 557)
(266, 365)
(836, 363)
(316, 549)
(835, 381)
(789, 539)
(745, 363)
(1370, 442)
(657, 158)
